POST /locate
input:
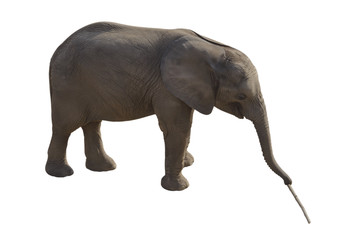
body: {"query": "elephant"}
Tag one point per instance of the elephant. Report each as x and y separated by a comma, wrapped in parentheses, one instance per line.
(114, 72)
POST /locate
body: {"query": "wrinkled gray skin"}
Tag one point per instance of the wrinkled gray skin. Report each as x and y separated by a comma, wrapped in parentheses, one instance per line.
(113, 72)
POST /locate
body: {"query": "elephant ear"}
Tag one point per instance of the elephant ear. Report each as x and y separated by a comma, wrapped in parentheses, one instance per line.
(187, 70)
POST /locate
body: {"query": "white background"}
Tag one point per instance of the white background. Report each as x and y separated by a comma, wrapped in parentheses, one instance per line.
(308, 58)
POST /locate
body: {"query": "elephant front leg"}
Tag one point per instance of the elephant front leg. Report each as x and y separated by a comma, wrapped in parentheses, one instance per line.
(175, 119)
(175, 148)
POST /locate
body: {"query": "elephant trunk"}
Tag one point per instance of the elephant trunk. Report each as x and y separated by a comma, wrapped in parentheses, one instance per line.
(259, 118)
(261, 124)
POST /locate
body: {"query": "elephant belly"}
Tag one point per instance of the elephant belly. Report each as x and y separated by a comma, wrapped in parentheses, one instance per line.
(124, 114)
(119, 108)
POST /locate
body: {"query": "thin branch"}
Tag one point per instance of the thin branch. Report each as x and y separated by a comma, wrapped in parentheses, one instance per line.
(298, 201)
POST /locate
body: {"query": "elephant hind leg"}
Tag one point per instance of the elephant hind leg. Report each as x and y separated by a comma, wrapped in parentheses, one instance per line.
(188, 159)
(65, 119)
(96, 158)
(57, 164)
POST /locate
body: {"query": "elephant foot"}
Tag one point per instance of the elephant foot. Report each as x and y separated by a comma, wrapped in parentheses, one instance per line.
(174, 183)
(58, 169)
(188, 159)
(100, 164)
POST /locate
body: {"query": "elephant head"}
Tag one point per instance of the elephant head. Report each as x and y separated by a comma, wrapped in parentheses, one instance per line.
(204, 73)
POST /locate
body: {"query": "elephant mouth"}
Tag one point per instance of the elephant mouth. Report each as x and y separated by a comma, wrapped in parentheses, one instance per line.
(234, 109)
(238, 110)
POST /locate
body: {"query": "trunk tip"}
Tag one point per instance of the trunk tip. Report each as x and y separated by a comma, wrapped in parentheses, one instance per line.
(287, 180)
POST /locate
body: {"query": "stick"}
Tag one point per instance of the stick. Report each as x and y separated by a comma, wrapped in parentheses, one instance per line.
(298, 201)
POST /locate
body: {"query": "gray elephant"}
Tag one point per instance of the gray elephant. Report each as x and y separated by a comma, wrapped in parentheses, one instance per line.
(113, 72)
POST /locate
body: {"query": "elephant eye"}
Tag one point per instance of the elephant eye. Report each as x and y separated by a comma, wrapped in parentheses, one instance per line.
(242, 97)
(227, 59)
